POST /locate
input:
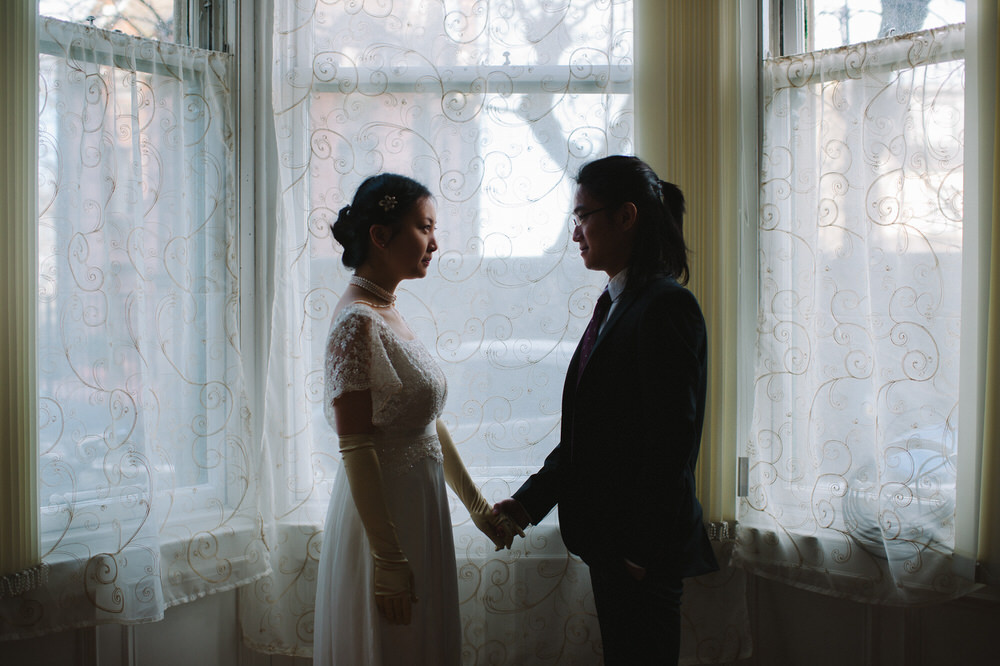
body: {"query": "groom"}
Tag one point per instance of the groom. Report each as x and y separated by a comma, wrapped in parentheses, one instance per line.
(632, 411)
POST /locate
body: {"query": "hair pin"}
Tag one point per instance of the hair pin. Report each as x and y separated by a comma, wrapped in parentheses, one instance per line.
(387, 203)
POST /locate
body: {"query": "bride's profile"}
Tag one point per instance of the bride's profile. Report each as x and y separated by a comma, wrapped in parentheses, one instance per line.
(387, 585)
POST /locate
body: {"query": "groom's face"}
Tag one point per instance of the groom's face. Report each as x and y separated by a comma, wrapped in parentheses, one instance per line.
(605, 242)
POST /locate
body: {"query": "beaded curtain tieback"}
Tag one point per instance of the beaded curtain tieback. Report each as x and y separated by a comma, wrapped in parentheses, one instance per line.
(373, 288)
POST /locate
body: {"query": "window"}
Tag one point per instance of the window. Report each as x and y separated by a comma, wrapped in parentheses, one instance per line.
(494, 107)
(495, 117)
(146, 484)
(799, 26)
(193, 24)
(839, 23)
(853, 447)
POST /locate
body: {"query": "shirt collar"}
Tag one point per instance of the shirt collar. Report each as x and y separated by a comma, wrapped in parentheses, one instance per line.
(617, 284)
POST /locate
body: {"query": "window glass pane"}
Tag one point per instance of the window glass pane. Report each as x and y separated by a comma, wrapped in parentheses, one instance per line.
(153, 19)
(495, 113)
(859, 246)
(833, 23)
(135, 378)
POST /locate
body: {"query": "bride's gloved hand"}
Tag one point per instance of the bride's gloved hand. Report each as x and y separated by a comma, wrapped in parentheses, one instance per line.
(393, 577)
(498, 528)
(394, 589)
(505, 528)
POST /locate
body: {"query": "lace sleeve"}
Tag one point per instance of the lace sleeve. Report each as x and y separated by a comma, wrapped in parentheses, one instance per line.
(356, 359)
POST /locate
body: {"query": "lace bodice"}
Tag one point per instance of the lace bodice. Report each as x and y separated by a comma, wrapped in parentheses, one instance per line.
(407, 386)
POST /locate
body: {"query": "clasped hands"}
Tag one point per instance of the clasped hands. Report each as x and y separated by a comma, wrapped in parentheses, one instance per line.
(506, 519)
(498, 526)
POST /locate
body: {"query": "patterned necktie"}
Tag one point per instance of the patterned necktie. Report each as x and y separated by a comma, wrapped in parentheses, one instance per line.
(590, 335)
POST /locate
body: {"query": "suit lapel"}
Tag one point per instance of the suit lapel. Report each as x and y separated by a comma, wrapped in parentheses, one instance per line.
(572, 384)
(571, 371)
(625, 301)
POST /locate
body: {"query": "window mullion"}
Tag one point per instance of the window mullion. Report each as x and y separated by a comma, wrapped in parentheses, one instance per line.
(793, 27)
(202, 23)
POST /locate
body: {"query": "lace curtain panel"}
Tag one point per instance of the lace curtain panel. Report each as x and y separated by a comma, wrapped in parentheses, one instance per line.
(493, 107)
(146, 485)
(852, 449)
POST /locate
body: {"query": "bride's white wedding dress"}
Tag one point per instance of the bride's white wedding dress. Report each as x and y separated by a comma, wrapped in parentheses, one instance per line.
(408, 394)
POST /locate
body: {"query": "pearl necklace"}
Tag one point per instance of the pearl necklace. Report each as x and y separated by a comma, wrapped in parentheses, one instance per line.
(373, 288)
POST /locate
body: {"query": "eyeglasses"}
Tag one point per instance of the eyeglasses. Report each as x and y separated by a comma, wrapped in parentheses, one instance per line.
(578, 218)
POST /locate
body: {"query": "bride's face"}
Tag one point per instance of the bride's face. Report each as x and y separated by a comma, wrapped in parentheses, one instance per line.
(411, 247)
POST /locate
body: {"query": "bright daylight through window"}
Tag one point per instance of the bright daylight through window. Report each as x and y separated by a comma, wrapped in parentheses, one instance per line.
(152, 19)
(853, 447)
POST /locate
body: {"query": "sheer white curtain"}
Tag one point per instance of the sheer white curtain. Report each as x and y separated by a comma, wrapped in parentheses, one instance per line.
(145, 480)
(494, 107)
(852, 448)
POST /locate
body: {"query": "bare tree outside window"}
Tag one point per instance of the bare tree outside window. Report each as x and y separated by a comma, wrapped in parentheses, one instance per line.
(902, 16)
(152, 19)
(834, 23)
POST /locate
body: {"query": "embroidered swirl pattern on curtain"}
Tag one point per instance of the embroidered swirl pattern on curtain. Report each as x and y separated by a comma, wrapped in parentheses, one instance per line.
(494, 106)
(852, 448)
(146, 489)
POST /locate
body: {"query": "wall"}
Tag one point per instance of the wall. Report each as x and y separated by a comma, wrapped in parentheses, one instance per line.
(202, 633)
(791, 627)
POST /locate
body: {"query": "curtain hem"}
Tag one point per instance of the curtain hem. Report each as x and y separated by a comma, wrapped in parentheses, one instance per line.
(82, 624)
(780, 577)
(833, 583)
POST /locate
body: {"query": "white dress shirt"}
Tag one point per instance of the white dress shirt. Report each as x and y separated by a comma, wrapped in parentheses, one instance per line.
(615, 288)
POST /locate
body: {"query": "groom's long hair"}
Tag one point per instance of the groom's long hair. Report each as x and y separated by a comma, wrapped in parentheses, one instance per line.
(658, 247)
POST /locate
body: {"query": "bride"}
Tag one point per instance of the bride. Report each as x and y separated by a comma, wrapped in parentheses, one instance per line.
(387, 584)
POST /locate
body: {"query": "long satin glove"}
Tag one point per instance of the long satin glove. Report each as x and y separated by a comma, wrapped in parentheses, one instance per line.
(498, 527)
(393, 576)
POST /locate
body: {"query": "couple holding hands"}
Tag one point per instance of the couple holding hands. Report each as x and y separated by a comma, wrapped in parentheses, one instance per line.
(623, 471)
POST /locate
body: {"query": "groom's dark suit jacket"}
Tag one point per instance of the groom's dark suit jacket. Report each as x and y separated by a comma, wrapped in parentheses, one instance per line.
(623, 472)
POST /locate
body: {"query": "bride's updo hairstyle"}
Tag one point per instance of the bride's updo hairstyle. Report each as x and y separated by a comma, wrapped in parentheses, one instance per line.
(383, 199)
